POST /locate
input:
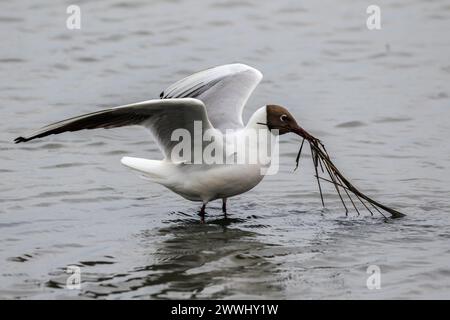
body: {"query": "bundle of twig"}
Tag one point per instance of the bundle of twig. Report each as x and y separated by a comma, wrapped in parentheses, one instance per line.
(321, 159)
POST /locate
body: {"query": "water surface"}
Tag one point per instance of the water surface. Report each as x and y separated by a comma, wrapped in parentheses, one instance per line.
(380, 100)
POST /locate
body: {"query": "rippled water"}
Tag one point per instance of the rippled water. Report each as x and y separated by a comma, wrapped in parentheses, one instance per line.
(380, 100)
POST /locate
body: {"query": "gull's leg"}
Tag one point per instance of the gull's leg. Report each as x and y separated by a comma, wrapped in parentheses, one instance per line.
(224, 207)
(202, 213)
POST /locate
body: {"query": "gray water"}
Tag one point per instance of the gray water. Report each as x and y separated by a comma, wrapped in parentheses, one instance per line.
(380, 100)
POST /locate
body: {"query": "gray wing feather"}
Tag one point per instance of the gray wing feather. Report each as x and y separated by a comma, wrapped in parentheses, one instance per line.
(162, 117)
(224, 90)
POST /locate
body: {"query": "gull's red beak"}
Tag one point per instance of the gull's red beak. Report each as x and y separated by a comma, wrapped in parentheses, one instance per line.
(302, 133)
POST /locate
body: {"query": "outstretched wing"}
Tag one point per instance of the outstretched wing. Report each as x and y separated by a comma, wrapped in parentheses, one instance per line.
(162, 117)
(224, 90)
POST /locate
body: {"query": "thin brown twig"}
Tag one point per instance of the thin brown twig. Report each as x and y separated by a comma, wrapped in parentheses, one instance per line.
(336, 186)
(321, 158)
(348, 195)
(297, 160)
(338, 177)
(317, 173)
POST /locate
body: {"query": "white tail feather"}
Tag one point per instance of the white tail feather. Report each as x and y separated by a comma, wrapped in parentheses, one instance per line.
(153, 169)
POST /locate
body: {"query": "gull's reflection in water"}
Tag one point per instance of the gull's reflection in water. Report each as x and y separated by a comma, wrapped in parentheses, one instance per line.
(213, 260)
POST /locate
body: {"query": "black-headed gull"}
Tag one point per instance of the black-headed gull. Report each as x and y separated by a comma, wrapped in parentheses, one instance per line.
(214, 97)
(208, 103)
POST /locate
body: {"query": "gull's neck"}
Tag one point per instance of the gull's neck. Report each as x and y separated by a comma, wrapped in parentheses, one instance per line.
(258, 120)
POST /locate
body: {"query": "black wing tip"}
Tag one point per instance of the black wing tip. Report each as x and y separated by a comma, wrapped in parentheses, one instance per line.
(20, 139)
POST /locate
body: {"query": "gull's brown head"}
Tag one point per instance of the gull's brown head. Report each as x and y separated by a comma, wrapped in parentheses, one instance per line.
(279, 118)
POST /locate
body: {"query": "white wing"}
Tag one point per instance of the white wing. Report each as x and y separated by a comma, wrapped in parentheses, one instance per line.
(224, 90)
(162, 117)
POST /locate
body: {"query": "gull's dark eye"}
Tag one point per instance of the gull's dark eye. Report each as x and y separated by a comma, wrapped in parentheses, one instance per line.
(283, 118)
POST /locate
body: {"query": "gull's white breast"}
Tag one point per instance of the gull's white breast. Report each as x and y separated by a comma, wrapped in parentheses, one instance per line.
(199, 182)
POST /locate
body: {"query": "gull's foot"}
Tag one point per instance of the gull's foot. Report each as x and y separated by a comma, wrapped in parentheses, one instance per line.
(224, 207)
(202, 213)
